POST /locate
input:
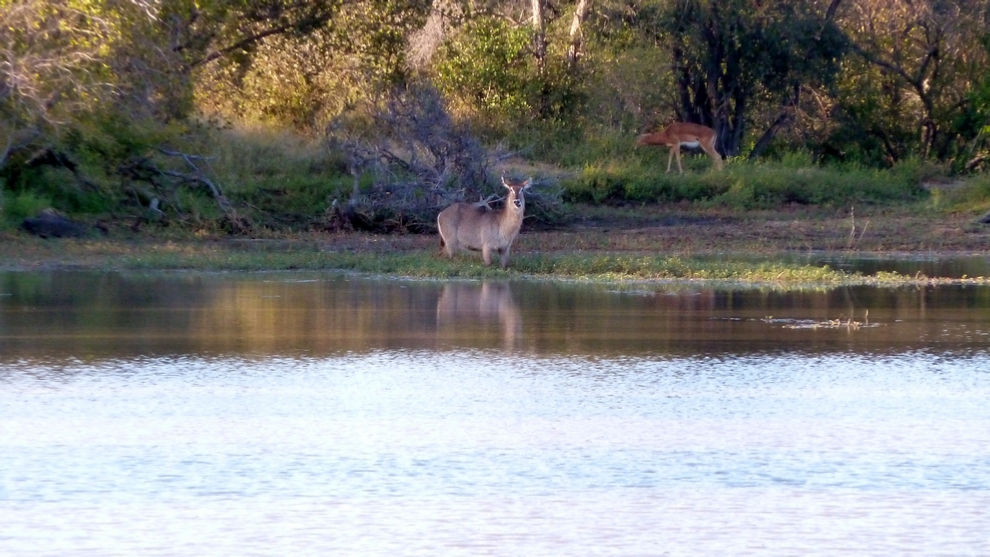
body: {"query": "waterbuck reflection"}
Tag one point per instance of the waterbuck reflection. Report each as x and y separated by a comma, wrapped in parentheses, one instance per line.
(478, 310)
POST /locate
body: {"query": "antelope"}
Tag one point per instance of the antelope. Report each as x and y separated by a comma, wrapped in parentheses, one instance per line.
(477, 227)
(683, 134)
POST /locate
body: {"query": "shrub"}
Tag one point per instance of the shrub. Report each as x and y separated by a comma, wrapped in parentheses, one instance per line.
(743, 185)
(19, 206)
(484, 68)
(972, 194)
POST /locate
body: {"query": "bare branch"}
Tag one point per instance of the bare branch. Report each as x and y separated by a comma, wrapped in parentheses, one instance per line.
(197, 177)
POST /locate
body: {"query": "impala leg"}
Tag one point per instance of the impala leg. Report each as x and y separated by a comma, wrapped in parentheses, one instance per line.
(670, 158)
(677, 153)
(486, 254)
(714, 155)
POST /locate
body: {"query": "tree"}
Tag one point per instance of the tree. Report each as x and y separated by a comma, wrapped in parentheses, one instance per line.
(730, 54)
(304, 79)
(928, 53)
(50, 68)
(538, 81)
(106, 90)
(976, 120)
(575, 49)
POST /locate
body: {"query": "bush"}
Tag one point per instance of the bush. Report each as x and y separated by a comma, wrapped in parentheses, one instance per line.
(743, 185)
(767, 185)
(484, 69)
(19, 206)
(972, 194)
(278, 179)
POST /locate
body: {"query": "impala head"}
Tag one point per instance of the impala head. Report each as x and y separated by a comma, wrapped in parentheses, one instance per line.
(645, 139)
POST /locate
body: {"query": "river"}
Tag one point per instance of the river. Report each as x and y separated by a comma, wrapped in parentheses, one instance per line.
(319, 414)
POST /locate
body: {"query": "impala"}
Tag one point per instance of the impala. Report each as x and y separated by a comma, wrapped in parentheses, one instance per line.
(477, 227)
(683, 134)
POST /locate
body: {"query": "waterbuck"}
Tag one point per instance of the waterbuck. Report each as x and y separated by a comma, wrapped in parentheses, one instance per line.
(477, 227)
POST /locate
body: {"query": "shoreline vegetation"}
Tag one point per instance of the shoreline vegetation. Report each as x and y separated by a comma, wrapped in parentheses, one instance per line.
(263, 136)
(785, 224)
(781, 250)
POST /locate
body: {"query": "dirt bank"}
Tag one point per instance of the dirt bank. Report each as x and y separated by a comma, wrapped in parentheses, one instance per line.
(631, 230)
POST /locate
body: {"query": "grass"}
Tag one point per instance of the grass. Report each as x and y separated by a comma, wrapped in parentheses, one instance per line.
(594, 267)
(285, 182)
(625, 219)
(743, 185)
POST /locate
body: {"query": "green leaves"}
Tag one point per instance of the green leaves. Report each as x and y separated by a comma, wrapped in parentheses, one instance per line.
(485, 66)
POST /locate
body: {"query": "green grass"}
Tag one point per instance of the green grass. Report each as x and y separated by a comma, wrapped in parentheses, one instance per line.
(281, 184)
(17, 207)
(596, 268)
(742, 185)
(970, 195)
(420, 260)
(278, 179)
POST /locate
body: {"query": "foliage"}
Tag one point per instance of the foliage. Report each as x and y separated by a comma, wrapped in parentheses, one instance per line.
(19, 206)
(483, 67)
(908, 93)
(280, 181)
(418, 157)
(49, 70)
(97, 97)
(625, 92)
(727, 54)
(114, 107)
(974, 121)
(744, 186)
(304, 79)
(972, 195)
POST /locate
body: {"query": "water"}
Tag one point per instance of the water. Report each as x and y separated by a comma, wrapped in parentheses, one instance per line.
(197, 414)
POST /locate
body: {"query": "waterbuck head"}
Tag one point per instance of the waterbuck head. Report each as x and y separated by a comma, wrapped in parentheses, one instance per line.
(516, 197)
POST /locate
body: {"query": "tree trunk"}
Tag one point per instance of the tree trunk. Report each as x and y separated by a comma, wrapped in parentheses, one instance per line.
(577, 37)
(785, 115)
(787, 111)
(539, 35)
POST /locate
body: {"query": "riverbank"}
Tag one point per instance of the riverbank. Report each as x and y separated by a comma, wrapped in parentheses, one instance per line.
(614, 244)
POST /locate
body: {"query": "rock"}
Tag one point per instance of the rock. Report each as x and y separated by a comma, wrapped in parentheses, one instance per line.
(50, 224)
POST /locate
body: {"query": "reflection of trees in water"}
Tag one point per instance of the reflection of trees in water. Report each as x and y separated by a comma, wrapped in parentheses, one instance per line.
(472, 313)
(651, 319)
(320, 317)
(95, 314)
(109, 315)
